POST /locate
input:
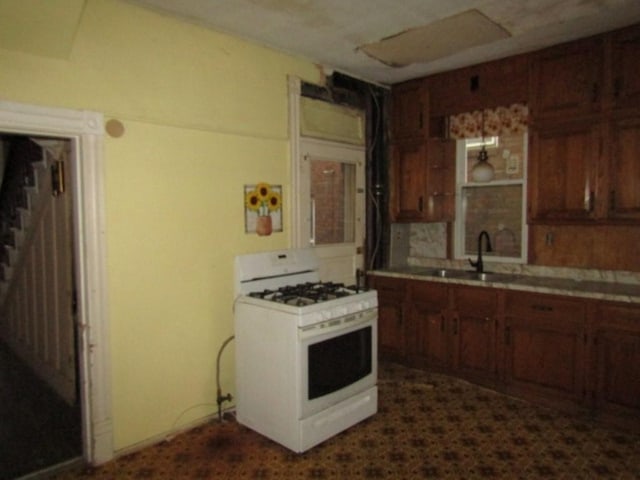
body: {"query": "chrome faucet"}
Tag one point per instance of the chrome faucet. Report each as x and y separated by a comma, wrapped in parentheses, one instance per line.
(479, 266)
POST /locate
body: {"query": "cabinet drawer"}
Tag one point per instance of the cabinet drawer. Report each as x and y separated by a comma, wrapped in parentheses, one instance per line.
(433, 293)
(542, 306)
(480, 301)
(388, 286)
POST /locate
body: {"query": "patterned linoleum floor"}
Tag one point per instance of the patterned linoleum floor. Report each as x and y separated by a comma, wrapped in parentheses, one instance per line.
(428, 426)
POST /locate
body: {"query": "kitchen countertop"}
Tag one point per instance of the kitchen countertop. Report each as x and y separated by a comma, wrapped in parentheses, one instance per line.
(611, 291)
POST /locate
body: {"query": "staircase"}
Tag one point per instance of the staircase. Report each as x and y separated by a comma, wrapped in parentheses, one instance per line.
(36, 260)
(26, 169)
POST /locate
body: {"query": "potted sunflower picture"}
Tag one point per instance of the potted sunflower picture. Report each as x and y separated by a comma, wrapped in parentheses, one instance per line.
(263, 208)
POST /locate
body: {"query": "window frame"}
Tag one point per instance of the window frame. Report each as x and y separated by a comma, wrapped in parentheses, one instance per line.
(460, 206)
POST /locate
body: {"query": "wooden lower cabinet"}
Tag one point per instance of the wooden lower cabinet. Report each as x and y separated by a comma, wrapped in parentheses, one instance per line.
(391, 322)
(429, 325)
(473, 335)
(616, 362)
(545, 339)
(578, 354)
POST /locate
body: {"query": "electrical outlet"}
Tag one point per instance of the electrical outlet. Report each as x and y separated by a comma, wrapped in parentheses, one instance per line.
(513, 164)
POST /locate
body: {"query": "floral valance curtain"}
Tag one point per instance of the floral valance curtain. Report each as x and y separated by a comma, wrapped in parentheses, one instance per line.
(498, 121)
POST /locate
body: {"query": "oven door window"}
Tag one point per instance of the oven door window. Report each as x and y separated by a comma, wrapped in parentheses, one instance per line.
(338, 362)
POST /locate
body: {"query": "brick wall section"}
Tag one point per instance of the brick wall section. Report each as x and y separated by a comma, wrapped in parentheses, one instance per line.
(497, 209)
(327, 189)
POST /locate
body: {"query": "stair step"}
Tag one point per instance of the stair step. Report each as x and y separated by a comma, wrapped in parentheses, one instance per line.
(18, 235)
(25, 217)
(10, 256)
(7, 273)
(8, 238)
(22, 199)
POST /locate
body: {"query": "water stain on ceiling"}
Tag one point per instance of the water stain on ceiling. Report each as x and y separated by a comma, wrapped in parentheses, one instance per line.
(436, 40)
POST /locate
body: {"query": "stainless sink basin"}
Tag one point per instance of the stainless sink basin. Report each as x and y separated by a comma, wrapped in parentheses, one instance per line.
(447, 273)
(491, 277)
(469, 275)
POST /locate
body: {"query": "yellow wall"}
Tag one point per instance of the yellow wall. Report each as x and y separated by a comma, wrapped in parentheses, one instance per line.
(204, 114)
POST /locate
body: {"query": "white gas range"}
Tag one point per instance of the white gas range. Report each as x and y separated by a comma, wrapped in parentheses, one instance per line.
(306, 351)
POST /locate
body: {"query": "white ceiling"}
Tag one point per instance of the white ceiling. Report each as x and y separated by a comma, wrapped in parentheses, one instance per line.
(333, 32)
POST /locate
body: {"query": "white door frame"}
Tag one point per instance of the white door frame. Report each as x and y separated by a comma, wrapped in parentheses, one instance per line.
(299, 185)
(85, 130)
(295, 90)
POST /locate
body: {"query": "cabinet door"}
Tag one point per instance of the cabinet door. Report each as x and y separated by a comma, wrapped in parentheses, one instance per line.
(624, 170)
(562, 172)
(486, 85)
(625, 79)
(410, 112)
(439, 204)
(474, 333)
(566, 80)
(408, 181)
(503, 82)
(429, 320)
(391, 325)
(617, 361)
(545, 339)
(448, 93)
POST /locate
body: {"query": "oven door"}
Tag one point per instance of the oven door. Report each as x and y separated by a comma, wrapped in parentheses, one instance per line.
(338, 359)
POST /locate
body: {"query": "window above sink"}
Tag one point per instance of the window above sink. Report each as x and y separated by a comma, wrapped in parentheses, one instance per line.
(499, 204)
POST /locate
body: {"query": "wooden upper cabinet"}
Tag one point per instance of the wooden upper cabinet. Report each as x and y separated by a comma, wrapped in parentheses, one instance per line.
(441, 180)
(585, 133)
(563, 172)
(448, 92)
(623, 199)
(487, 85)
(625, 73)
(567, 80)
(410, 110)
(408, 178)
(423, 180)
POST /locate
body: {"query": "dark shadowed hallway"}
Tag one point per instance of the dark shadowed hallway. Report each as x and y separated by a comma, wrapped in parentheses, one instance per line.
(37, 429)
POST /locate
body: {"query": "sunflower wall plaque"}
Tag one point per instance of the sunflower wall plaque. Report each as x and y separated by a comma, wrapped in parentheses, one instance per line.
(262, 208)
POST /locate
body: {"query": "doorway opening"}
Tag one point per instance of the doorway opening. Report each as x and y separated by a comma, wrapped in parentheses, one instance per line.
(38, 341)
(82, 133)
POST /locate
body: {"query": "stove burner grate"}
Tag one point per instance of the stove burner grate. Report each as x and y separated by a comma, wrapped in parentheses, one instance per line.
(303, 294)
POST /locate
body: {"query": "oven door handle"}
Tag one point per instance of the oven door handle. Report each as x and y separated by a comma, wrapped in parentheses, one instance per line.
(347, 323)
(312, 233)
